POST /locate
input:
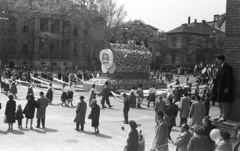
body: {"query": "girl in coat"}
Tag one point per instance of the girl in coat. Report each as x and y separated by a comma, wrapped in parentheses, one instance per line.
(10, 112)
(70, 93)
(14, 88)
(19, 115)
(64, 94)
(95, 114)
(29, 110)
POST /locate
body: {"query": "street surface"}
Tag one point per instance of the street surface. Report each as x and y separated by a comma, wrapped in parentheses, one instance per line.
(60, 134)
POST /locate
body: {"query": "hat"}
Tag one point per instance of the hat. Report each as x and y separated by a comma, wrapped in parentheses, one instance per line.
(81, 97)
(124, 94)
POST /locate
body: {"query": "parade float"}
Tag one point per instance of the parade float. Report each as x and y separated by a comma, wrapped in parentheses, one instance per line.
(124, 66)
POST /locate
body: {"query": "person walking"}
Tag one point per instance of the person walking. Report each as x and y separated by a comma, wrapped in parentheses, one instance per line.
(19, 115)
(105, 93)
(160, 106)
(80, 114)
(10, 112)
(171, 114)
(199, 142)
(132, 141)
(132, 97)
(70, 93)
(95, 114)
(140, 96)
(42, 104)
(13, 89)
(152, 95)
(197, 112)
(160, 142)
(64, 95)
(49, 94)
(185, 108)
(30, 88)
(93, 93)
(126, 107)
(183, 139)
(29, 110)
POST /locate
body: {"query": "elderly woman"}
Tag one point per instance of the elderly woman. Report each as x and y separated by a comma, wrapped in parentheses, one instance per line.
(224, 144)
(10, 112)
(95, 114)
(132, 141)
(199, 142)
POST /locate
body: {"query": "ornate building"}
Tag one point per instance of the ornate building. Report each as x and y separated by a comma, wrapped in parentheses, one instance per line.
(47, 41)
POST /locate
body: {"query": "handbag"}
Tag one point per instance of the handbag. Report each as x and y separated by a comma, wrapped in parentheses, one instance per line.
(89, 116)
(5, 119)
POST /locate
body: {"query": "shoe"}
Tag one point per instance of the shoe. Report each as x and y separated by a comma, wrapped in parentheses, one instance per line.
(217, 118)
(221, 119)
(31, 128)
(110, 106)
(36, 127)
(26, 127)
(97, 132)
(81, 130)
(103, 107)
(125, 122)
(148, 106)
(77, 129)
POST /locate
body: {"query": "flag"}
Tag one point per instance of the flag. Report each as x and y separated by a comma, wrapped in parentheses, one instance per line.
(204, 70)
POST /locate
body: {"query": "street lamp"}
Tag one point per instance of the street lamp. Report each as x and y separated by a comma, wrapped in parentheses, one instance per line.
(3, 19)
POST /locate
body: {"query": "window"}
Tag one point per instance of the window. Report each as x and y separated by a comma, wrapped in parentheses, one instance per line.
(25, 47)
(25, 28)
(173, 60)
(12, 24)
(11, 46)
(75, 48)
(174, 41)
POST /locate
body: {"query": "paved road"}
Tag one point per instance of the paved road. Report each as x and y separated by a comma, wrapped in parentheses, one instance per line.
(60, 135)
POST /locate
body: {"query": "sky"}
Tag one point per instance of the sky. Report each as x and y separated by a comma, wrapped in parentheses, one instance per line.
(169, 14)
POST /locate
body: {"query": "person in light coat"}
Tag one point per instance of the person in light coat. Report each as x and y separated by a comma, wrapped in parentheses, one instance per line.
(185, 108)
(160, 142)
(80, 114)
(42, 104)
(197, 112)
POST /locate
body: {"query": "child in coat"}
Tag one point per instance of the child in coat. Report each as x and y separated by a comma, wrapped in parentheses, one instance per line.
(19, 115)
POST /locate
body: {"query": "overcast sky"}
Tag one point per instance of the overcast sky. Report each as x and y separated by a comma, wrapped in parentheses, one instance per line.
(169, 14)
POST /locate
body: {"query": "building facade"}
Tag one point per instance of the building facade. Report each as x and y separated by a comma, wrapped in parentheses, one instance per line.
(51, 42)
(219, 22)
(179, 52)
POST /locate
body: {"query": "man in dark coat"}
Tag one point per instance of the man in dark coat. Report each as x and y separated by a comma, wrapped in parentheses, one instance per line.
(80, 114)
(223, 87)
(126, 108)
(105, 93)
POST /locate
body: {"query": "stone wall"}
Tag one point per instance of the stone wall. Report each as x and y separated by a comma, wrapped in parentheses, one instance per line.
(232, 52)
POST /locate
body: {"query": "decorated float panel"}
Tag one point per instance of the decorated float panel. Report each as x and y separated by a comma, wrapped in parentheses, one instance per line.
(125, 66)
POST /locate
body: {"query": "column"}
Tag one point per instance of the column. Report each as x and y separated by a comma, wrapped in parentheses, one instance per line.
(232, 53)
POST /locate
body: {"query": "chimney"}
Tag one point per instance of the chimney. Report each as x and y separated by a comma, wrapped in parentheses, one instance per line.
(204, 21)
(195, 20)
(216, 17)
(189, 20)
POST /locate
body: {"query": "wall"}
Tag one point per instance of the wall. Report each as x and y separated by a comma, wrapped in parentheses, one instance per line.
(232, 52)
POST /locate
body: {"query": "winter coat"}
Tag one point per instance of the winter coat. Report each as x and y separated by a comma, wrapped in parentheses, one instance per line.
(10, 111)
(81, 112)
(42, 104)
(29, 109)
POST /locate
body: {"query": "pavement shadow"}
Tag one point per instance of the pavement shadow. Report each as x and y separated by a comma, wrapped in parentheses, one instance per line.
(38, 131)
(3, 132)
(86, 132)
(55, 104)
(49, 130)
(103, 136)
(17, 132)
(114, 109)
(24, 130)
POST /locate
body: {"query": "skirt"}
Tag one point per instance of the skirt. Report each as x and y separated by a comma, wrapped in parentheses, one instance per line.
(151, 97)
(6, 87)
(30, 91)
(14, 89)
(95, 123)
(70, 95)
(64, 96)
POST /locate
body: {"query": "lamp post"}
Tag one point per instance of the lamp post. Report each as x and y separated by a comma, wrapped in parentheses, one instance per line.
(3, 19)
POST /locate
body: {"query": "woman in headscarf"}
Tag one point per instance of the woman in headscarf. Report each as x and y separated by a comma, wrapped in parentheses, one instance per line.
(132, 141)
(95, 114)
(10, 112)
